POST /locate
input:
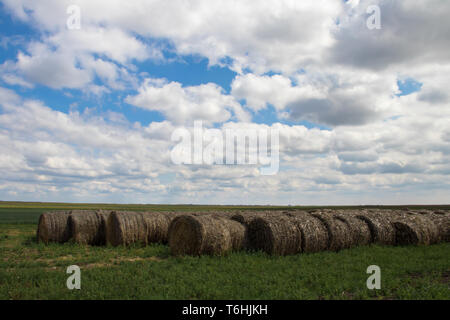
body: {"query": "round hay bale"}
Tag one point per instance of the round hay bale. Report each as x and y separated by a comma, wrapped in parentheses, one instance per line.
(54, 227)
(244, 218)
(226, 214)
(157, 225)
(359, 229)
(315, 237)
(339, 234)
(239, 235)
(247, 217)
(381, 229)
(295, 213)
(442, 223)
(424, 211)
(197, 235)
(277, 235)
(125, 228)
(415, 229)
(89, 227)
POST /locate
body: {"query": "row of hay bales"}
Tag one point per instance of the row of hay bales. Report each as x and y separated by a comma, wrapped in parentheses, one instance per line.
(83, 226)
(274, 232)
(293, 232)
(99, 227)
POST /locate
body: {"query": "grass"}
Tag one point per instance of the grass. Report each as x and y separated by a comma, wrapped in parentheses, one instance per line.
(29, 270)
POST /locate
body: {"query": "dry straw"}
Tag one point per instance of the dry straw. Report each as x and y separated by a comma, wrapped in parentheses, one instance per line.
(415, 229)
(205, 234)
(89, 227)
(442, 222)
(246, 217)
(359, 229)
(124, 228)
(381, 229)
(314, 233)
(54, 227)
(339, 234)
(277, 235)
(441, 219)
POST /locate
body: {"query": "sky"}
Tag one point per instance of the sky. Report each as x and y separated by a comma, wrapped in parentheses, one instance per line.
(88, 107)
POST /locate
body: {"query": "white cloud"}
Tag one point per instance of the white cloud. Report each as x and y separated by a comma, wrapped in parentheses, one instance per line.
(49, 154)
(55, 69)
(258, 91)
(275, 35)
(339, 96)
(115, 44)
(72, 59)
(411, 32)
(185, 104)
(311, 60)
(13, 79)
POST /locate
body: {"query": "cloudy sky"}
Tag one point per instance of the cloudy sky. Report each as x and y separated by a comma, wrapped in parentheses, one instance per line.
(87, 114)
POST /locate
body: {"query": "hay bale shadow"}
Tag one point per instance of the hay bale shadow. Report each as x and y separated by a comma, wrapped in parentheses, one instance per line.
(30, 241)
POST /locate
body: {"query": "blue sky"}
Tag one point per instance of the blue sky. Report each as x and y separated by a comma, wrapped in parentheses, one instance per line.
(189, 70)
(408, 86)
(98, 105)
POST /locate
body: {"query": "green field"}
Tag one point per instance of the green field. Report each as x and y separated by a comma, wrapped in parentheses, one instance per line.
(29, 270)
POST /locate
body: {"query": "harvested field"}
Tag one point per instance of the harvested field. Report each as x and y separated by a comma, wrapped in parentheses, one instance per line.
(205, 234)
(33, 271)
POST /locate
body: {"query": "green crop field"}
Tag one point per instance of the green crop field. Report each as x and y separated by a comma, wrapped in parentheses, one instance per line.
(29, 270)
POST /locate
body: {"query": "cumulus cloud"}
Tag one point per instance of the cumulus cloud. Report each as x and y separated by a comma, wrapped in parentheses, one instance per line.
(310, 60)
(185, 104)
(47, 147)
(332, 97)
(13, 79)
(51, 154)
(55, 69)
(72, 58)
(409, 34)
(272, 36)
